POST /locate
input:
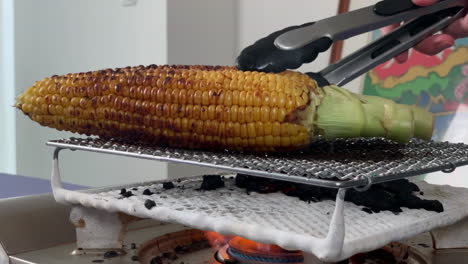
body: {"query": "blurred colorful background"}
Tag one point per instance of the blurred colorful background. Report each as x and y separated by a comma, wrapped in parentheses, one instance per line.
(437, 83)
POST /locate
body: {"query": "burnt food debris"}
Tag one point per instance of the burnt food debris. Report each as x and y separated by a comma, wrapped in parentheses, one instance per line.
(388, 196)
(376, 256)
(211, 182)
(124, 193)
(181, 249)
(168, 185)
(111, 254)
(156, 260)
(170, 255)
(149, 204)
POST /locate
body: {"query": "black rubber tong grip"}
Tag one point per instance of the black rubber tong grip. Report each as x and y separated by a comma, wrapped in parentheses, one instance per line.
(392, 7)
(264, 56)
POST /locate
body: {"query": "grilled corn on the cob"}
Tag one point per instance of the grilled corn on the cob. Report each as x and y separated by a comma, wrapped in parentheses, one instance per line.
(214, 107)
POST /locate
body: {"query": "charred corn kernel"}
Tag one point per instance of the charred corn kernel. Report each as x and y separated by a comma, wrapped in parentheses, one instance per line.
(257, 99)
(200, 107)
(226, 114)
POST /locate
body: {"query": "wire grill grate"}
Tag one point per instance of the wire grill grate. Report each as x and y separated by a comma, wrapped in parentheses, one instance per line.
(342, 163)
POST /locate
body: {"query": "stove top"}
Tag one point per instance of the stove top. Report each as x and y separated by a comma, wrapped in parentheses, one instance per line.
(153, 242)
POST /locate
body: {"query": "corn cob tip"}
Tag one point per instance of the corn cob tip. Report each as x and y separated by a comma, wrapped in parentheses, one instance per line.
(345, 114)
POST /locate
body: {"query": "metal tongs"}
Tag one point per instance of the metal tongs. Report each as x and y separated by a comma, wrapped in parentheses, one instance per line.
(420, 22)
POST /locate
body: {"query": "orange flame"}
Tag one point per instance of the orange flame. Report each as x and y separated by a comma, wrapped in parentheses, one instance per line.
(249, 246)
(217, 240)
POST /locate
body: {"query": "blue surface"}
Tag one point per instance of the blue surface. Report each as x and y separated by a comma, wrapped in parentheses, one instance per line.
(14, 185)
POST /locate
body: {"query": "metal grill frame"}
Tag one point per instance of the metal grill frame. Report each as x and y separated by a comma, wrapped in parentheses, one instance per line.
(445, 157)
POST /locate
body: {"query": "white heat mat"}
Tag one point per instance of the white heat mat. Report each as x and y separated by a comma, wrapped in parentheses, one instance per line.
(276, 218)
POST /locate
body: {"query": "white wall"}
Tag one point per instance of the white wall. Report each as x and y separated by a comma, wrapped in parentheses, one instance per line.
(57, 37)
(7, 112)
(201, 32)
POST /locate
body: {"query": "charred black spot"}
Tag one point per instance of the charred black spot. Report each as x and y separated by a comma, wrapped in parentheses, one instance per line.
(94, 102)
(111, 254)
(168, 185)
(125, 193)
(156, 260)
(118, 88)
(211, 182)
(149, 204)
(147, 192)
(167, 80)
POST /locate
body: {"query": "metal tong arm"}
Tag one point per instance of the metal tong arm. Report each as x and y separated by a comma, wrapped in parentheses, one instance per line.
(389, 46)
(360, 21)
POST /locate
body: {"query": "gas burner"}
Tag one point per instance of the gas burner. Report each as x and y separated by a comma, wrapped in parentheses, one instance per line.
(195, 246)
(250, 252)
(223, 257)
(199, 247)
(188, 246)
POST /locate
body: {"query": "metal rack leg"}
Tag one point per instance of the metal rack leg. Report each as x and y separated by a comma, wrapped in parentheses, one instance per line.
(55, 179)
(336, 231)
